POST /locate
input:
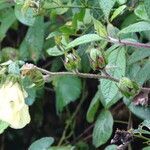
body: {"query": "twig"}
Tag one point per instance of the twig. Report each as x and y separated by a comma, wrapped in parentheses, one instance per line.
(120, 122)
(73, 6)
(128, 43)
(82, 75)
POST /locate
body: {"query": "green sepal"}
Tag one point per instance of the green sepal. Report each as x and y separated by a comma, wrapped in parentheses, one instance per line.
(128, 87)
(98, 60)
(35, 75)
(72, 61)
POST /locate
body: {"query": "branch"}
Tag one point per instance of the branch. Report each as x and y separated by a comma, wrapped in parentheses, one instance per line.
(128, 43)
(74, 6)
(82, 75)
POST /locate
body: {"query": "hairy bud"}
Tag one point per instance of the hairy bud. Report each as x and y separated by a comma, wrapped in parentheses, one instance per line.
(72, 61)
(98, 60)
(128, 88)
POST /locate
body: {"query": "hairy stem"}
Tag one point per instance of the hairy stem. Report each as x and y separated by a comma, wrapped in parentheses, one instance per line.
(128, 43)
(82, 75)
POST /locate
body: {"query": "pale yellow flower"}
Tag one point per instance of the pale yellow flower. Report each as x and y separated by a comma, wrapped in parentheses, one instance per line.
(13, 109)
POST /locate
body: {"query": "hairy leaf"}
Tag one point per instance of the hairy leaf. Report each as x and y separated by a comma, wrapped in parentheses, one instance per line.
(7, 18)
(42, 144)
(136, 27)
(33, 43)
(100, 28)
(141, 12)
(83, 40)
(106, 6)
(117, 12)
(103, 128)
(147, 6)
(109, 88)
(54, 51)
(139, 111)
(68, 89)
(138, 55)
(26, 17)
(92, 110)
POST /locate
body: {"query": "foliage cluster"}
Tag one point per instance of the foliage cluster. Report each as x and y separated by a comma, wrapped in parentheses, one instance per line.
(59, 48)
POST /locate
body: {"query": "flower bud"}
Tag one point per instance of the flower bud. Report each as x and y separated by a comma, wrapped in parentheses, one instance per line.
(35, 75)
(98, 61)
(72, 61)
(128, 88)
(9, 53)
(13, 109)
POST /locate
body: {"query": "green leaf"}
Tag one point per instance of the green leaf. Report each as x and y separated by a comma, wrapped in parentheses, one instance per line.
(103, 128)
(54, 51)
(4, 4)
(9, 53)
(3, 126)
(26, 17)
(62, 148)
(106, 6)
(121, 1)
(108, 88)
(33, 42)
(139, 111)
(112, 31)
(100, 28)
(138, 55)
(141, 12)
(57, 63)
(117, 12)
(92, 110)
(83, 40)
(133, 70)
(68, 89)
(147, 6)
(56, 3)
(30, 89)
(146, 148)
(53, 34)
(42, 144)
(146, 123)
(85, 62)
(136, 27)
(111, 147)
(13, 68)
(7, 18)
(143, 74)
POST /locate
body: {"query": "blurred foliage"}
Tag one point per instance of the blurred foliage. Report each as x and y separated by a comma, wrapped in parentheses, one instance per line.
(68, 112)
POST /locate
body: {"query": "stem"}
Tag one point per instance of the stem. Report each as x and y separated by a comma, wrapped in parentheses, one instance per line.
(73, 6)
(128, 43)
(84, 95)
(82, 75)
(129, 121)
(121, 122)
(141, 137)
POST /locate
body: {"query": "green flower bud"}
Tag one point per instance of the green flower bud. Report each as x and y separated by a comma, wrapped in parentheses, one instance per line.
(9, 53)
(128, 88)
(35, 75)
(72, 61)
(98, 60)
